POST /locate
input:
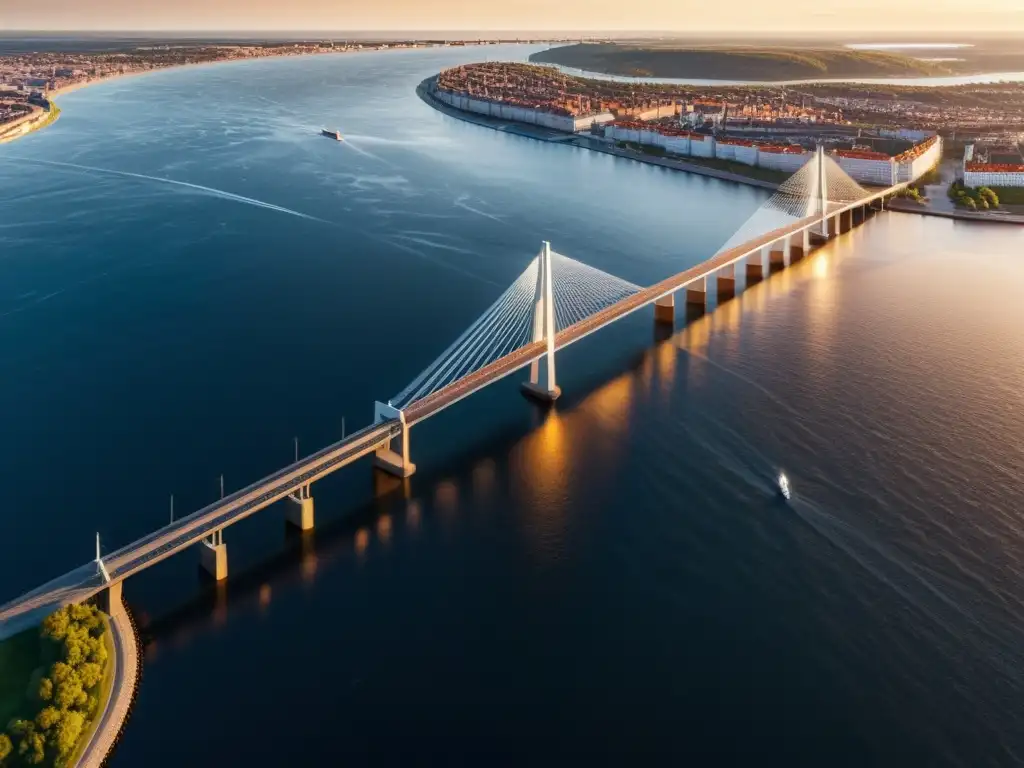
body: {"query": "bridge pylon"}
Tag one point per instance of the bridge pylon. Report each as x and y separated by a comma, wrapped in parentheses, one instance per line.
(822, 202)
(393, 456)
(542, 384)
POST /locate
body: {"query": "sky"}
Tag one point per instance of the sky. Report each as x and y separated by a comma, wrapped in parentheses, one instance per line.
(893, 16)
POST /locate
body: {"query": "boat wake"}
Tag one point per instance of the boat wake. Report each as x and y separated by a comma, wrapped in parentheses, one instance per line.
(224, 195)
(460, 202)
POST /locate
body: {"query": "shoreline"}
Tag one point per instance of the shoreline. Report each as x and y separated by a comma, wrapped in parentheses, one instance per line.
(123, 688)
(52, 96)
(902, 206)
(423, 90)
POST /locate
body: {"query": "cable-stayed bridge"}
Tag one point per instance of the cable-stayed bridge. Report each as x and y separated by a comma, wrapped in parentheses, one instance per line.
(555, 302)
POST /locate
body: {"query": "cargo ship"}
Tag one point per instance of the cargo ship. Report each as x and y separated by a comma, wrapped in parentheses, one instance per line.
(336, 135)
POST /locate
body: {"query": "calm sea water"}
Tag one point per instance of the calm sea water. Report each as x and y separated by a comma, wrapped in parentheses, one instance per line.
(190, 276)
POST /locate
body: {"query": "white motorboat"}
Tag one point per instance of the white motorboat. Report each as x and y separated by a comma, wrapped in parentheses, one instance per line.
(784, 485)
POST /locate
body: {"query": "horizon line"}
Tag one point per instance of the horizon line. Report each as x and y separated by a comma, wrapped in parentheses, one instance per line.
(781, 33)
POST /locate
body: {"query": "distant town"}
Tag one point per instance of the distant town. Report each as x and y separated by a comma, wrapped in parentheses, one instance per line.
(28, 80)
(880, 135)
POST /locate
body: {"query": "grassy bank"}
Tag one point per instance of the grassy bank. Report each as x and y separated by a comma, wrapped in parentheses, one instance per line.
(740, 169)
(736, 63)
(729, 166)
(1010, 195)
(54, 682)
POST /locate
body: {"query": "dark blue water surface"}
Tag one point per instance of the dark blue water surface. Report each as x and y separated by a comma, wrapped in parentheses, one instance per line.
(190, 277)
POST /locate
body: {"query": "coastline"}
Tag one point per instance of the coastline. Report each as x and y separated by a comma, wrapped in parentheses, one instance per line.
(127, 664)
(423, 90)
(57, 93)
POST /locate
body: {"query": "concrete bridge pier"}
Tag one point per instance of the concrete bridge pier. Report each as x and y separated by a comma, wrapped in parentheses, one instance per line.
(697, 292)
(726, 282)
(799, 245)
(778, 258)
(300, 509)
(756, 264)
(393, 455)
(665, 309)
(213, 556)
(845, 221)
(110, 598)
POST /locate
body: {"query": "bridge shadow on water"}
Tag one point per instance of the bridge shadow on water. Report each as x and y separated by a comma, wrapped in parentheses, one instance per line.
(526, 455)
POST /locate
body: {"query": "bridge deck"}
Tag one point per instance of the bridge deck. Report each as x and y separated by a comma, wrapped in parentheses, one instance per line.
(85, 581)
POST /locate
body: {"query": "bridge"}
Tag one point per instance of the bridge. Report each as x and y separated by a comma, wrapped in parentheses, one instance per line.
(555, 302)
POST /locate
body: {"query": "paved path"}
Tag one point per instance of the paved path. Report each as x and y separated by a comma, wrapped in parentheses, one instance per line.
(126, 671)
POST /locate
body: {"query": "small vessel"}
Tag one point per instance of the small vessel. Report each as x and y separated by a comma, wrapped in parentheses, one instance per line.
(784, 486)
(336, 135)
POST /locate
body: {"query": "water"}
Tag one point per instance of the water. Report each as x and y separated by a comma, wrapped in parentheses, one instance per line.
(193, 277)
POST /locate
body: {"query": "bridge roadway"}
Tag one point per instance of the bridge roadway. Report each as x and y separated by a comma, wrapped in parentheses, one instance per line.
(85, 581)
(436, 402)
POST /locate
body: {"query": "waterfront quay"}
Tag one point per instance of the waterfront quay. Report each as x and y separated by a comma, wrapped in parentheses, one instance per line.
(677, 124)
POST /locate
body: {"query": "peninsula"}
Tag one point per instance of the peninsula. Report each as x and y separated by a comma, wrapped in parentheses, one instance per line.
(764, 64)
(772, 62)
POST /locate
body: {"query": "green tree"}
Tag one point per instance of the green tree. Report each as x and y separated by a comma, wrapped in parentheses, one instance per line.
(97, 652)
(60, 672)
(90, 674)
(6, 747)
(88, 618)
(31, 745)
(75, 650)
(66, 734)
(70, 693)
(55, 626)
(989, 196)
(47, 718)
(21, 727)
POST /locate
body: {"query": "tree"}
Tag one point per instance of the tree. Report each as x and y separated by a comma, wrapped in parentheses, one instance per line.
(47, 718)
(90, 674)
(60, 672)
(21, 727)
(66, 734)
(97, 652)
(31, 745)
(45, 690)
(70, 693)
(55, 626)
(6, 747)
